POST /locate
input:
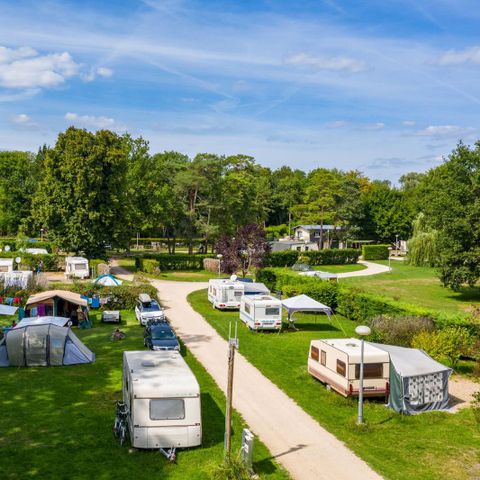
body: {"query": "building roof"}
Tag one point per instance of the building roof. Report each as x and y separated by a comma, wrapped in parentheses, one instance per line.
(6, 261)
(351, 346)
(318, 227)
(66, 295)
(160, 374)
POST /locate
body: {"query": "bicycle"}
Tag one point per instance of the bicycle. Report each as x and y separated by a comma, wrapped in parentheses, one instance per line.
(120, 422)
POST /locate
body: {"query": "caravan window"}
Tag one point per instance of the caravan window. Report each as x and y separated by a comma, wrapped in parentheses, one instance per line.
(167, 409)
(314, 353)
(341, 368)
(323, 357)
(370, 370)
(3, 268)
(247, 308)
(272, 311)
(80, 266)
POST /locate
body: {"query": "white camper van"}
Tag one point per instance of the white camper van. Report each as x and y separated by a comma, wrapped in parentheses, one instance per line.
(76, 267)
(261, 312)
(225, 294)
(163, 399)
(336, 362)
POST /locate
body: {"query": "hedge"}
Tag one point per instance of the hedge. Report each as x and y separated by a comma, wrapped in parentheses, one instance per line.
(357, 305)
(16, 245)
(177, 261)
(50, 262)
(375, 252)
(330, 256)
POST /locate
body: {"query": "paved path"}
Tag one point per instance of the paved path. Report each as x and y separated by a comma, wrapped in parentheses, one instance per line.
(372, 269)
(294, 438)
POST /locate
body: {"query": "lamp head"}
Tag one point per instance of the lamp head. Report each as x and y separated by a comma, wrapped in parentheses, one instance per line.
(363, 330)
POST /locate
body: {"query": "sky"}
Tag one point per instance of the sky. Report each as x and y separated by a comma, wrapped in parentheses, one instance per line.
(382, 86)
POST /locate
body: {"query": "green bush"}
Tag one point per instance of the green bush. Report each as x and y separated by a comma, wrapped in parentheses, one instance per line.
(320, 290)
(50, 262)
(333, 256)
(232, 468)
(281, 259)
(375, 252)
(150, 266)
(399, 330)
(177, 261)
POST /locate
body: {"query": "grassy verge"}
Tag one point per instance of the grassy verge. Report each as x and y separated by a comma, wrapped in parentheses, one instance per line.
(427, 447)
(417, 285)
(341, 268)
(56, 422)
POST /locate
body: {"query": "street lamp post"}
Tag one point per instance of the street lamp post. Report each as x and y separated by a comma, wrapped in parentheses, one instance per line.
(389, 254)
(397, 247)
(361, 330)
(219, 256)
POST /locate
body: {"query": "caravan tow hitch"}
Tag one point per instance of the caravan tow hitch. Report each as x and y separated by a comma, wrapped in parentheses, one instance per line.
(170, 454)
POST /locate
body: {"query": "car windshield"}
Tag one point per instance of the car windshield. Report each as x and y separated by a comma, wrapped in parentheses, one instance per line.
(162, 334)
(150, 307)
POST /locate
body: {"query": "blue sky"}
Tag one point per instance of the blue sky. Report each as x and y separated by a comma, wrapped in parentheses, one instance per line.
(385, 87)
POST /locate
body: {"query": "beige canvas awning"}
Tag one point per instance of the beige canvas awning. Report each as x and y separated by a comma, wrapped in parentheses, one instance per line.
(64, 294)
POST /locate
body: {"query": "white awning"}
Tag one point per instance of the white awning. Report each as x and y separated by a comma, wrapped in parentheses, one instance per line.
(7, 310)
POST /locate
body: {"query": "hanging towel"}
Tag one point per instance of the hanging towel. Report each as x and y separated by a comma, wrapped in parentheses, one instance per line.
(33, 312)
(10, 300)
(21, 313)
(41, 310)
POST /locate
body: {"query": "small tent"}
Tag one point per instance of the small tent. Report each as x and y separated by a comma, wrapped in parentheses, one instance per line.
(41, 346)
(107, 280)
(417, 382)
(303, 303)
(55, 303)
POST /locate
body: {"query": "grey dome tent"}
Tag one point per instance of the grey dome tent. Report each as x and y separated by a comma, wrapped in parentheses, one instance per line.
(418, 383)
(41, 346)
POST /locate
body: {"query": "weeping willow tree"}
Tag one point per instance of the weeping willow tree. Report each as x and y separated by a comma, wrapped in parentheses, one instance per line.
(423, 246)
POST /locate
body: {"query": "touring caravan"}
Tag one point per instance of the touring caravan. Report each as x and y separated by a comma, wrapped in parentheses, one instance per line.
(77, 267)
(163, 399)
(336, 362)
(225, 294)
(261, 312)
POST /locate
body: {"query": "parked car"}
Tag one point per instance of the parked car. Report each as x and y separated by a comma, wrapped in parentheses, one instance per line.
(160, 336)
(147, 309)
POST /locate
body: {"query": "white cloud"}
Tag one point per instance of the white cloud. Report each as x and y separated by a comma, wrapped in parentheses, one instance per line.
(104, 72)
(445, 131)
(457, 57)
(408, 123)
(21, 118)
(100, 72)
(336, 64)
(337, 124)
(25, 68)
(91, 121)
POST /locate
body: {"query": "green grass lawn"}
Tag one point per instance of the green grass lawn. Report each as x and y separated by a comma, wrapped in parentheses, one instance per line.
(56, 422)
(341, 268)
(426, 447)
(417, 285)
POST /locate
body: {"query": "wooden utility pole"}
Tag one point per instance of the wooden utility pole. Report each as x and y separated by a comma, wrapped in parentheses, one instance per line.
(232, 346)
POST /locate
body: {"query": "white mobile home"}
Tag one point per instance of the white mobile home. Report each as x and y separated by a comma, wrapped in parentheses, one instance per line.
(261, 312)
(6, 265)
(163, 399)
(76, 267)
(336, 362)
(225, 294)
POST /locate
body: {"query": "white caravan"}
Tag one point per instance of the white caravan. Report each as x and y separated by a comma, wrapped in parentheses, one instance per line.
(225, 294)
(163, 399)
(6, 265)
(76, 267)
(336, 362)
(261, 312)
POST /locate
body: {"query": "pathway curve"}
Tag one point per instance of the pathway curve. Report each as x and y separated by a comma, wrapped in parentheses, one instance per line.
(372, 269)
(294, 438)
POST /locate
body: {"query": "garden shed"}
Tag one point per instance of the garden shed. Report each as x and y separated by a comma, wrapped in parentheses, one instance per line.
(41, 346)
(418, 383)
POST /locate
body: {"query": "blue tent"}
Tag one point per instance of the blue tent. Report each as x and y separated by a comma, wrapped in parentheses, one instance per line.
(107, 280)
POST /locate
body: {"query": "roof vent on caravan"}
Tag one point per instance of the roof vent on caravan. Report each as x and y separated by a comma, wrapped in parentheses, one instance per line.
(351, 345)
(148, 363)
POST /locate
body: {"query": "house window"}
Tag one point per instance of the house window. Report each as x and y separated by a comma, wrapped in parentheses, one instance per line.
(314, 353)
(167, 409)
(370, 370)
(341, 368)
(323, 357)
(270, 311)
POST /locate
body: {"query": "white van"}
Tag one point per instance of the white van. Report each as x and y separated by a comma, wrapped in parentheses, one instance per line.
(77, 267)
(336, 362)
(163, 399)
(261, 312)
(225, 294)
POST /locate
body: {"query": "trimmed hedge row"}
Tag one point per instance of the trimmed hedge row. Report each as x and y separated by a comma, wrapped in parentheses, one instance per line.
(50, 262)
(375, 252)
(165, 261)
(330, 256)
(357, 305)
(16, 245)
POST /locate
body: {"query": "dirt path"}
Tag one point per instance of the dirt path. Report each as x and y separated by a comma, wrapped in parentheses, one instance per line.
(294, 438)
(461, 392)
(118, 271)
(372, 269)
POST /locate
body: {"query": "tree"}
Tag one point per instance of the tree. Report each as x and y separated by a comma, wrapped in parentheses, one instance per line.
(82, 198)
(244, 251)
(451, 203)
(423, 246)
(18, 179)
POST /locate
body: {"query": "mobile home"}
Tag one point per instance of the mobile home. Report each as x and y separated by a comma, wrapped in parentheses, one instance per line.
(6, 265)
(261, 312)
(77, 267)
(225, 294)
(163, 398)
(336, 362)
